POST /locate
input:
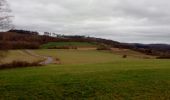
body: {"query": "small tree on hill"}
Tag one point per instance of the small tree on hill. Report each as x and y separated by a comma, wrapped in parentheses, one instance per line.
(124, 56)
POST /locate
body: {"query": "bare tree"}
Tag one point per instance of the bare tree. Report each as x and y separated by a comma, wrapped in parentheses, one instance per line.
(5, 22)
(5, 16)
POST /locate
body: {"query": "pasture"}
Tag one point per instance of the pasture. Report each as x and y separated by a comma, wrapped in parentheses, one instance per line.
(67, 44)
(89, 75)
(71, 56)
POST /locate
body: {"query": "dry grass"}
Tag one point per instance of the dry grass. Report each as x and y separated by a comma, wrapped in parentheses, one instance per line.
(131, 53)
(89, 75)
(80, 56)
(18, 55)
(89, 56)
(146, 79)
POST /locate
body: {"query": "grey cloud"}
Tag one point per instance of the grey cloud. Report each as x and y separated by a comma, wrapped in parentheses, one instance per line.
(122, 20)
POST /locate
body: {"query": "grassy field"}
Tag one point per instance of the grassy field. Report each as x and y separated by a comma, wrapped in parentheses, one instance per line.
(80, 56)
(90, 56)
(91, 75)
(19, 55)
(131, 53)
(61, 44)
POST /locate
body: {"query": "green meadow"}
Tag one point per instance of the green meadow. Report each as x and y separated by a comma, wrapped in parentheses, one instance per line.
(89, 75)
(61, 44)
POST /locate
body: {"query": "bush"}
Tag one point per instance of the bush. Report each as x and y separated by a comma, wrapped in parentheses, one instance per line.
(124, 56)
(103, 47)
(57, 61)
(163, 57)
(17, 64)
(63, 47)
(19, 45)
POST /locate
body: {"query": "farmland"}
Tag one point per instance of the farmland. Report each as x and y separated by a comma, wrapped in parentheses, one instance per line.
(65, 44)
(84, 50)
(89, 74)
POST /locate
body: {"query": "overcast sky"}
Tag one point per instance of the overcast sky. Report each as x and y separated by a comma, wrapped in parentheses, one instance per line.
(145, 21)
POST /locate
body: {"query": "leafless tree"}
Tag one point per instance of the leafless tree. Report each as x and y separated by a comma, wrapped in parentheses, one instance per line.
(5, 22)
(5, 16)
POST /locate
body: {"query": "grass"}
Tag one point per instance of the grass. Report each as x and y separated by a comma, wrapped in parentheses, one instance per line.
(131, 53)
(19, 55)
(116, 79)
(62, 44)
(88, 56)
(79, 56)
(121, 80)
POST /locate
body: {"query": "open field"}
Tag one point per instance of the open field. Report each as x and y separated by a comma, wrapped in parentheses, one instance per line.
(79, 56)
(130, 53)
(62, 44)
(89, 56)
(88, 74)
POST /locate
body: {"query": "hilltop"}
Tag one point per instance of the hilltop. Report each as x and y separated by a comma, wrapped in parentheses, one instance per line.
(22, 39)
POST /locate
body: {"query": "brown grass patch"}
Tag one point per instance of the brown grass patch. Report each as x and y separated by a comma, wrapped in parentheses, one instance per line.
(19, 64)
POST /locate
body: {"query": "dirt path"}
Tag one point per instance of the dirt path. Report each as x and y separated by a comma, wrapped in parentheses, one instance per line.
(48, 59)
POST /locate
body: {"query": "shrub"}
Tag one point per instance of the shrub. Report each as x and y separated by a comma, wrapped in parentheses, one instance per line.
(63, 47)
(18, 45)
(163, 57)
(124, 56)
(103, 47)
(17, 64)
(73, 47)
(57, 61)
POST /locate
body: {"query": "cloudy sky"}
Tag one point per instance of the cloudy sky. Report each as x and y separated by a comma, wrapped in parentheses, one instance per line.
(145, 21)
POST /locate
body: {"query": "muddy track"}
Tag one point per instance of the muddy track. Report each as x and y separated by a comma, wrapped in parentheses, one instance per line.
(48, 59)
